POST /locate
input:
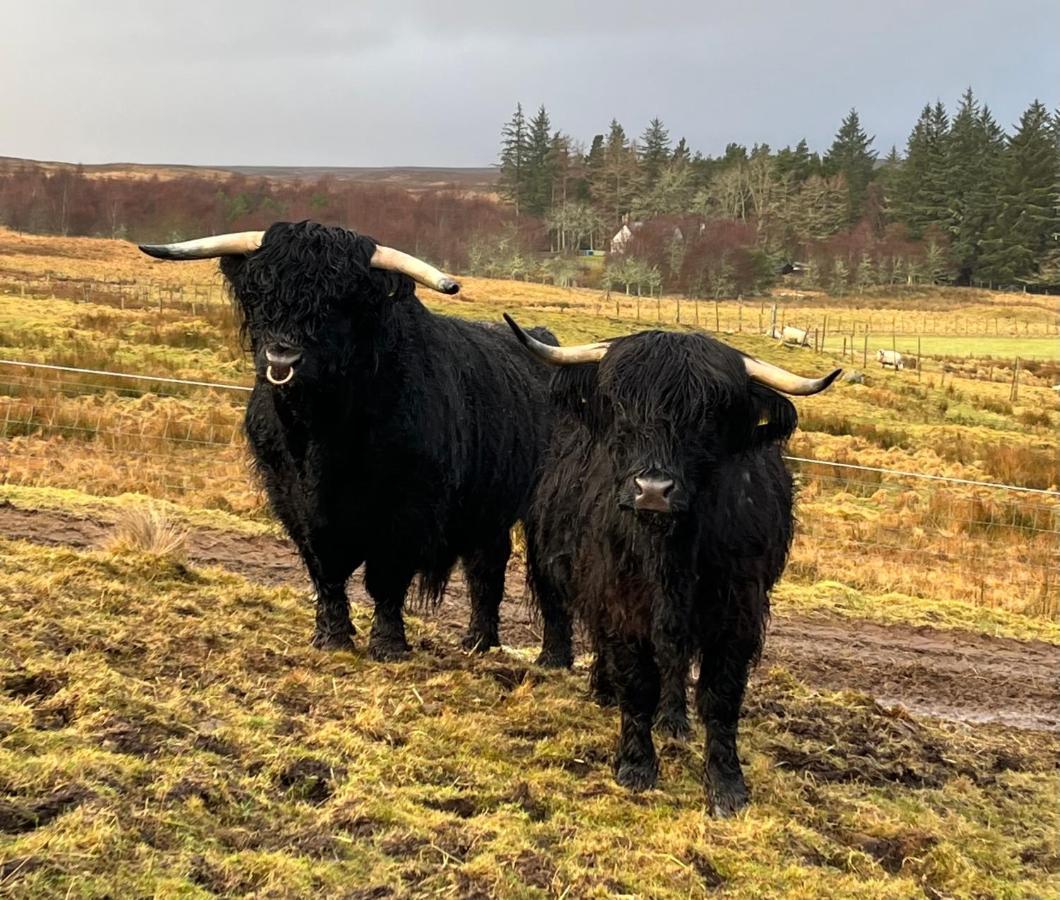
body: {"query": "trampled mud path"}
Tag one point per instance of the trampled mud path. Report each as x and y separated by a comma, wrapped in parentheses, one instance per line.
(959, 676)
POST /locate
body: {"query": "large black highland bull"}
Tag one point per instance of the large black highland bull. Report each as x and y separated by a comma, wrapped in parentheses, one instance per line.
(663, 519)
(385, 435)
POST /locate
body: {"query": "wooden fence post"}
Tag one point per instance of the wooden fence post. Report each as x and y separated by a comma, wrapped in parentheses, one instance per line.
(1014, 393)
(865, 351)
(717, 317)
(919, 364)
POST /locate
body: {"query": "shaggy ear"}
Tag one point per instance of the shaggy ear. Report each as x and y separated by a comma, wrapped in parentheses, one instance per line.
(776, 417)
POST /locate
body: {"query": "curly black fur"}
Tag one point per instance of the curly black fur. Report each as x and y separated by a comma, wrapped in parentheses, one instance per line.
(404, 441)
(658, 590)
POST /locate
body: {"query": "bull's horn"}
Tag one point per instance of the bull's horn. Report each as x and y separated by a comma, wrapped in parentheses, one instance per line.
(249, 241)
(558, 356)
(207, 247)
(424, 273)
(788, 382)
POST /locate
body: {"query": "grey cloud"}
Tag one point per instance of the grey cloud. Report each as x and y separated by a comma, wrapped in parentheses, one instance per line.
(430, 83)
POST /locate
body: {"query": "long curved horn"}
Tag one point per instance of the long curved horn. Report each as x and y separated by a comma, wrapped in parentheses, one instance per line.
(248, 241)
(558, 356)
(425, 274)
(787, 382)
(207, 247)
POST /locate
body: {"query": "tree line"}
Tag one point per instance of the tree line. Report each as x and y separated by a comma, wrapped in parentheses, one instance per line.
(964, 203)
(439, 225)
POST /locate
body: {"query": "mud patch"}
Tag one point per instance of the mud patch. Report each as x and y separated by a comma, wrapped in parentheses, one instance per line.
(533, 869)
(33, 685)
(310, 780)
(19, 815)
(712, 878)
(855, 739)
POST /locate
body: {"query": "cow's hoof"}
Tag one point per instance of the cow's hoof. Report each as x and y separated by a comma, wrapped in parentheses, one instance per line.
(637, 776)
(388, 649)
(477, 642)
(728, 799)
(673, 725)
(554, 659)
(605, 698)
(330, 642)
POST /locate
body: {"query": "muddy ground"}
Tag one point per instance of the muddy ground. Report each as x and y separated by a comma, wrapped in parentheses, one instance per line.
(958, 676)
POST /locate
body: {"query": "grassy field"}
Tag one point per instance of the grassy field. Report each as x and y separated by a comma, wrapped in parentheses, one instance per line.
(164, 730)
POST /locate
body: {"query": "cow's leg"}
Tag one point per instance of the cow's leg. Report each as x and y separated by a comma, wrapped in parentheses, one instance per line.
(631, 668)
(485, 568)
(387, 586)
(329, 565)
(557, 644)
(334, 630)
(671, 720)
(601, 688)
(728, 654)
(671, 639)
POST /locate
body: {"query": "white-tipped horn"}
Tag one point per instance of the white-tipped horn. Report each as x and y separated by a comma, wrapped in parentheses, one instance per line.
(424, 273)
(787, 382)
(207, 247)
(558, 356)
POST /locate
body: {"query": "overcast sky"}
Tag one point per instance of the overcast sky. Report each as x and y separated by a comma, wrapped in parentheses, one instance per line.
(430, 83)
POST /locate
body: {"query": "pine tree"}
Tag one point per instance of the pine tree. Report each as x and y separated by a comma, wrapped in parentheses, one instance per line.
(920, 199)
(514, 148)
(538, 169)
(613, 183)
(851, 157)
(974, 153)
(1022, 234)
(654, 154)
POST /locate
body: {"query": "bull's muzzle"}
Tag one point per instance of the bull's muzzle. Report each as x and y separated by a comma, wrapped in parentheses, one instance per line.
(280, 365)
(652, 493)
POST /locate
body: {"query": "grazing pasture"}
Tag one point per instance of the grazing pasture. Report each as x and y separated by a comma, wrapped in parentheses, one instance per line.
(165, 728)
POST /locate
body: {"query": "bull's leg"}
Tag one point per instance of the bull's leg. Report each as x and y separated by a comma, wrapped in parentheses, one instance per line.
(670, 637)
(485, 568)
(330, 569)
(671, 720)
(601, 687)
(631, 668)
(727, 658)
(387, 587)
(557, 643)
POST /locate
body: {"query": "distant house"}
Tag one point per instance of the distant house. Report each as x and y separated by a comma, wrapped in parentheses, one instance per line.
(623, 236)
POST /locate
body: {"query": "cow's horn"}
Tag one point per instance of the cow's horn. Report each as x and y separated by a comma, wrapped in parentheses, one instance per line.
(424, 273)
(788, 382)
(207, 247)
(558, 356)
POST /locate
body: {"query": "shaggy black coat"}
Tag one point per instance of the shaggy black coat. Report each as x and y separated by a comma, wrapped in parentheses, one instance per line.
(404, 440)
(658, 590)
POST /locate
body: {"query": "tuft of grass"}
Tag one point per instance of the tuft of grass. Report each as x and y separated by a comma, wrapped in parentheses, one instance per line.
(148, 528)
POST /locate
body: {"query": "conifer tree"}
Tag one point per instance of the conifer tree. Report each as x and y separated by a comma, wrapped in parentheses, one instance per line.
(974, 154)
(920, 200)
(514, 148)
(538, 168)
(851, 157)
(1022, 233)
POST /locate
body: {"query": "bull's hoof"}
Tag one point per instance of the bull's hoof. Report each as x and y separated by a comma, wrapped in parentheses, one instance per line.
(674, 725)
(388, 649)
(727, 799)
(333, 641)
(479, 642)
(554, 659)
(637, 776)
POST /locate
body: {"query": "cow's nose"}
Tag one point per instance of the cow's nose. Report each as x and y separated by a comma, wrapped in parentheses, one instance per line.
(652, 493)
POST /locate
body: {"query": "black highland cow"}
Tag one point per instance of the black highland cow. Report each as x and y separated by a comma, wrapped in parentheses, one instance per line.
(662, 519)
(385, 435)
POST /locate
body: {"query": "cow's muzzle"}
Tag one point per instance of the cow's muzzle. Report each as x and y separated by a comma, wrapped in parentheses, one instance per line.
(280, 364)
(653, 491)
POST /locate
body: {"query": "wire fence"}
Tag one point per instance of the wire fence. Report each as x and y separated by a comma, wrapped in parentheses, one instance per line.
(109, 433)
(827, 326)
